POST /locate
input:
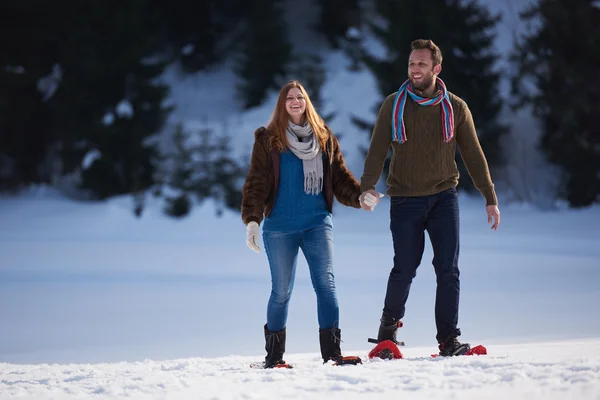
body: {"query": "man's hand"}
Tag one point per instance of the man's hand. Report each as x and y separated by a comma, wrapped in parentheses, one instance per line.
(493, 213)
(369, 199)
(252, 236)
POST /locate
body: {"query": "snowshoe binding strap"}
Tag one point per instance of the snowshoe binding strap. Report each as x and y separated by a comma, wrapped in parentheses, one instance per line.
(348, 360)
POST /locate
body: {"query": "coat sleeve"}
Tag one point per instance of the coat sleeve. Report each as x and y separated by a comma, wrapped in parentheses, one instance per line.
(345, 186)
(255, 191)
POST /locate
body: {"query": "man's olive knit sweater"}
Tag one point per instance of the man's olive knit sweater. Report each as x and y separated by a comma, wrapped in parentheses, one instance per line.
(425, 164)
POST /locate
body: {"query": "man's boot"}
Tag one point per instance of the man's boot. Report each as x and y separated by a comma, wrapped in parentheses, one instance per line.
(452, 347)
(388, 329)
(275, 347)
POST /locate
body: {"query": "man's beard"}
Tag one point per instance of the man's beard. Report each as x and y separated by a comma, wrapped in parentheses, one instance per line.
(425, 84)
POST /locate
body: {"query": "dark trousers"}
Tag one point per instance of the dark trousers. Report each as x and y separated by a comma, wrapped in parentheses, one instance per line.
(410, 218)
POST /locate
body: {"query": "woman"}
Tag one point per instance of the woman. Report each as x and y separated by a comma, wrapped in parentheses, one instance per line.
(295, 170)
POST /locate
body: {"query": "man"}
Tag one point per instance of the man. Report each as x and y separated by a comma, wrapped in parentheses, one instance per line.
(423, 123)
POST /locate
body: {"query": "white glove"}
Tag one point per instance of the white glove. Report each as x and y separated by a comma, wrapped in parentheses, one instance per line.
(370, 200)
(252, 236)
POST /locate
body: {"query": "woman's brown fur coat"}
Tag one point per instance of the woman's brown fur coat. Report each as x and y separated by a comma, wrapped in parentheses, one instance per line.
(260, 188)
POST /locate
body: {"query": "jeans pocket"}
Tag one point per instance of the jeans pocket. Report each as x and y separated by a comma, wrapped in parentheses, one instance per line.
(397, 200)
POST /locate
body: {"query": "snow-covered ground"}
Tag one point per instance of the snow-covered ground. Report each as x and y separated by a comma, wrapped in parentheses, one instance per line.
(549, 371)
(95, 303)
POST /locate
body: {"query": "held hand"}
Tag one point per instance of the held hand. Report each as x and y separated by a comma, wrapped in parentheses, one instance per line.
(369, 199)
(252, 236)
(493, 213)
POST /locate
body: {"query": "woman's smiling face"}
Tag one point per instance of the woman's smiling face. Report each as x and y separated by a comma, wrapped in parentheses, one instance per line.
(295, 104)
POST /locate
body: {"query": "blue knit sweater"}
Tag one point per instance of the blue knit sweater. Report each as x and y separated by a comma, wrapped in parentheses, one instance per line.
(294, 209)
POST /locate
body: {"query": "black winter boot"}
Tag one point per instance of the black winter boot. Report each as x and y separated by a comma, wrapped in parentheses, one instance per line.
(275, 347)
(330, 348)
(452, 347)
(330, 344)
(388, 329)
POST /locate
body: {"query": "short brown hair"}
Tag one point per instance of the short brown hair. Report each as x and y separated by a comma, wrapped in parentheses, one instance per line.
(436, 53)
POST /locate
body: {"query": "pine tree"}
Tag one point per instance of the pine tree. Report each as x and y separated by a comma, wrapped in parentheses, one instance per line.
(204, 150)
(336, 17)
(199, 166)
(175, 175)
(28, 57)
(109, 100)
(190, 32)
(265, 52)
(228, 175)
(216, 173)
(559, 59)
(178, 206)
(82, 80)
(198, 33)
(463, 31)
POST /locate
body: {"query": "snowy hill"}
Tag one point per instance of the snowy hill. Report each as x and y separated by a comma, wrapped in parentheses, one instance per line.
(208, 99)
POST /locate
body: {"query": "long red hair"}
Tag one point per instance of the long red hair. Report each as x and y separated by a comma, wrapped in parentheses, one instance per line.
(279, 120)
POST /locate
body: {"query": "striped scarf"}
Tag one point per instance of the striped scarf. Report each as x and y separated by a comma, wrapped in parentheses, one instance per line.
(398, 129)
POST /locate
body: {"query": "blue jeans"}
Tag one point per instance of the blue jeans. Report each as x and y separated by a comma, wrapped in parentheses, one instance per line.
(282, 251)
(410, 218)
